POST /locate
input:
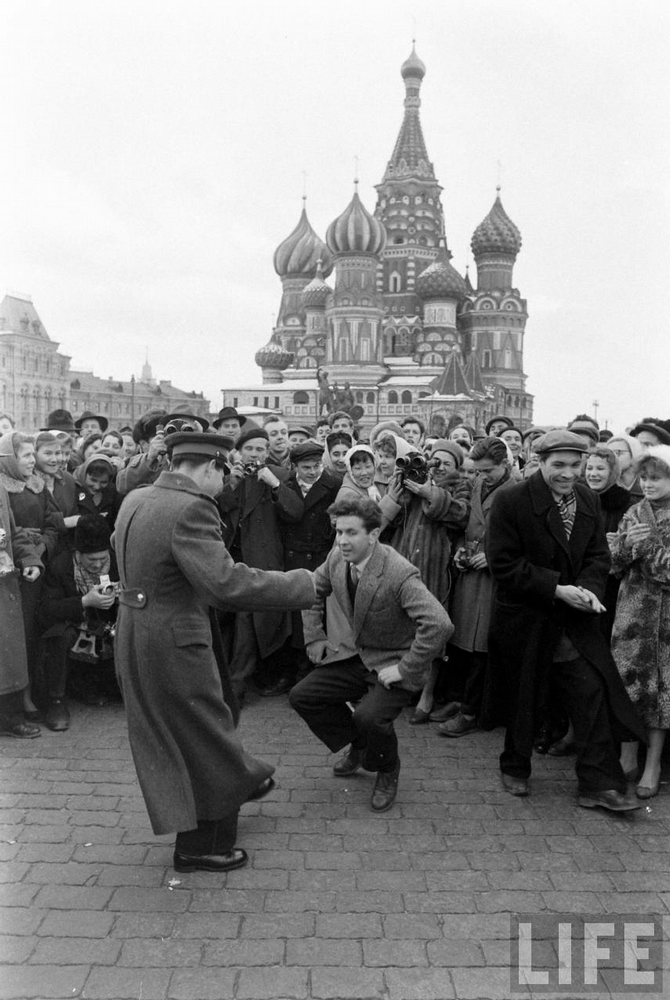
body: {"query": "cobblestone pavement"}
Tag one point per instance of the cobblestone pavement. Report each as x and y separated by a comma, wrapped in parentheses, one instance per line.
(337, 902)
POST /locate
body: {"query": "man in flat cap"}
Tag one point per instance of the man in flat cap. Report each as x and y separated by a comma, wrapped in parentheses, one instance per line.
(548, 553)
(174, 569)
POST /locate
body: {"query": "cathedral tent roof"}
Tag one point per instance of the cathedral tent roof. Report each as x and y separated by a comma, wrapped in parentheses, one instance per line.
(452, 381)
(473, 374)
(410, 156)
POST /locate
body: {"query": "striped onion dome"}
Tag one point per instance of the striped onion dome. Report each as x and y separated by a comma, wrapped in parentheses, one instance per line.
(497, 233)
(273, 355)
(298, 254)
(315, 294)
(356, 231)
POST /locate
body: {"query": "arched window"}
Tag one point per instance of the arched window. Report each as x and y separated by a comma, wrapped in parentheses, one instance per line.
(393, 396)
(370, 398)
(359, 397)
(508, 358)
(486, 359)
(516, 402)
(406, 396)
(300, 398)
(394, 282)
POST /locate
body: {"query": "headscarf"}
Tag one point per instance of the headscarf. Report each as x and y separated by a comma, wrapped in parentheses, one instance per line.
(10, 473)
(81, 470)
(606, 455)
(634, 446)
(372, 491)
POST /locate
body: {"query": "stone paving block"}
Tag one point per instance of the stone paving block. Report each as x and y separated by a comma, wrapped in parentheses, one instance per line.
(13, 871)
(376, 901)
(478, 926)
(138, 875)
(57, 853)
(202, 926)
(568, 902)
(203, 984)
(391, 953)
(126, 984)
(506, 902)
(110, 854)
(21, 920)
(286, 860)
(72, 897)
(348, 925)
(438, 860)
(440, 902)
(66, 950)
(422, 984)
(300, 902)
(407, 881)
(316, 881)
(160, 954)
(322, 951)
(646, 862)
(94, 817)
(385, 861)
(292, 925)
(325, 861)
(43, 983)
(491, 861)
(347, 984)
(449, 953)
(15, 948)
(56, 834)
(18, 895)
(140, 925)
(269, 951)
(272, 983)
(76, 923)
(10, 852)
(529, 880)
(148, 900)
(491, 982)
(403, 926)
(96, 834)
(230, 901)
(69, 873)
(633, 902)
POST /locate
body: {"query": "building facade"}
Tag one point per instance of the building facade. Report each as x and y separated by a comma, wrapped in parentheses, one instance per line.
(35, 378)
(399, 326)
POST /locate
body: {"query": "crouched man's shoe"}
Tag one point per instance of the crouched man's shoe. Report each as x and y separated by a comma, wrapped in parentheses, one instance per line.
(348, 764)
(57, 716)
(608, 799)
(385, 790)
(515, 786)
(237, 858)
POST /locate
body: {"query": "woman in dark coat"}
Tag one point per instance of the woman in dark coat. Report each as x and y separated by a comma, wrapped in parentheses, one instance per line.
(17, 553)
(34, 510)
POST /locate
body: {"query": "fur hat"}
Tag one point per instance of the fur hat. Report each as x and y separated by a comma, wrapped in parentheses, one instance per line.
(91, 534)
(454, 449)
(249, 434)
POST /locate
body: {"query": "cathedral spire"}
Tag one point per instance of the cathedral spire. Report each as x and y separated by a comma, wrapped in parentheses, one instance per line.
(410, 157)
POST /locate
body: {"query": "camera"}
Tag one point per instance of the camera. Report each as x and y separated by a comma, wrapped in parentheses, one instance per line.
(251, 468)
(414, 467)
(107, 587)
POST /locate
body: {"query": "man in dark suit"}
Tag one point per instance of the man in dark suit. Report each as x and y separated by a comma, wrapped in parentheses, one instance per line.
(391, 629)
(548, 553)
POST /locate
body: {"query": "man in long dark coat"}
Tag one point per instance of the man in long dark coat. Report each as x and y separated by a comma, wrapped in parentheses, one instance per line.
(548, 552)
(174, 567)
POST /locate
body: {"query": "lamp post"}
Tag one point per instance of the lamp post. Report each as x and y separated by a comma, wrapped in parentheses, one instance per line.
(132, 399)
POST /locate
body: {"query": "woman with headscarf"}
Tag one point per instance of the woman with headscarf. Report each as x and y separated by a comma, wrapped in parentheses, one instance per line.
(34, 510)
(628, 451)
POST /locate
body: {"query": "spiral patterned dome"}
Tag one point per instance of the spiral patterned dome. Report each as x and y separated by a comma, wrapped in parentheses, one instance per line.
(413, 66)
(273, 355)
(441, 280)
(298, 254)
(497, 233)
(356, 231)
(314, 296)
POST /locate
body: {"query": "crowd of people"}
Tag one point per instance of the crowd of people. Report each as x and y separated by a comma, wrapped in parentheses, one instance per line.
(542, 554)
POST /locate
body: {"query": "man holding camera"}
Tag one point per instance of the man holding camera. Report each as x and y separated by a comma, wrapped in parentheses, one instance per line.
(254, 503)
(174, 568)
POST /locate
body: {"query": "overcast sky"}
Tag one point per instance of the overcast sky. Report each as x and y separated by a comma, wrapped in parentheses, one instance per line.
(155, 152)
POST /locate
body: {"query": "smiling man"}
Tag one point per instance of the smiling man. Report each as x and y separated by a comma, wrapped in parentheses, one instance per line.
(389, 630)
(547, 550)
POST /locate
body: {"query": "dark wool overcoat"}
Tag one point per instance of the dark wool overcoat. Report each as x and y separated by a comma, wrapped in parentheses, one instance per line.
(529, 555)
(13, 666)
(174, 567)
(254, 514)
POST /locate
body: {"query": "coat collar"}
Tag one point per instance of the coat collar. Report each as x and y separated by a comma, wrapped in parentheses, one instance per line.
(368, 585)
(183, 484)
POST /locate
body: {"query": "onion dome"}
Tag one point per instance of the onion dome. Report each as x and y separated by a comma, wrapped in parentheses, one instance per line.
(298, 254)
(273, 355)
(315, 294)
(497, 233)
(441, 280)
(356, 231)
(413, 66)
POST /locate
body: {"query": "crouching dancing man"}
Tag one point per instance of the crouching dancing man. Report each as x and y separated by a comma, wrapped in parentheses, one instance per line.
(174, 567)
(390, 629)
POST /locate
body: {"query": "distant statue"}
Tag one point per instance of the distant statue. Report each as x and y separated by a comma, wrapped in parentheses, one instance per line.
(326, 400)
(346, 400)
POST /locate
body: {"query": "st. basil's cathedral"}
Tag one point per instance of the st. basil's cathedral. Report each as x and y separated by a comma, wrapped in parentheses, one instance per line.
(400, 327)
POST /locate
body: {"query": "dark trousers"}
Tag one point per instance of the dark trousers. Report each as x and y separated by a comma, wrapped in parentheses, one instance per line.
(582, 690)
(56, 661)
(212, 836)
(321, 700)
(475, 674)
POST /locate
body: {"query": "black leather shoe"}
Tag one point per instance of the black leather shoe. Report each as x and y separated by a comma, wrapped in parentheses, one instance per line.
(237, 858)
(385, 790)
(262, 790)
(348, 764)
(608, 799)
(281, 686)
(57, 716)
(515, 786)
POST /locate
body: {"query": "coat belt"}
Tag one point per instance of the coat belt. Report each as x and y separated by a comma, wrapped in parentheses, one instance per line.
(133, 598)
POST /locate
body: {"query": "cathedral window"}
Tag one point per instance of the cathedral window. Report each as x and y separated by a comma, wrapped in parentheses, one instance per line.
(393, 396)
(300, 398)
(365, 349)
(235, 402)
(406, 396)
(418, 199)
(255, 400)
(370, 398)
(395, 282)
(486, 359)
(405, 199)
(399, 239)
(276, 402)
(359, 397)
(508, 358)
